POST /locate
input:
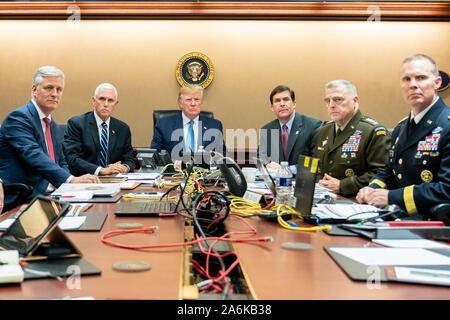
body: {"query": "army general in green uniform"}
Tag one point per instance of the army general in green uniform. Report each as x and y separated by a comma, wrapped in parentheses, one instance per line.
(351, 147)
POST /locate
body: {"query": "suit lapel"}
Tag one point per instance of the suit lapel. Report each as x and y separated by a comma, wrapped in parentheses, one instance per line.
(37, 125)
(93, 130)
(296, 128)
(112, 137)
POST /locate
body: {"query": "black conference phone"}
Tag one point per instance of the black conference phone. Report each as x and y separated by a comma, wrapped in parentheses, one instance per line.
(152, 160)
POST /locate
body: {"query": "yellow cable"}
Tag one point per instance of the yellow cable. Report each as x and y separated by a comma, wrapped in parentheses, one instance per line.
(284, 209)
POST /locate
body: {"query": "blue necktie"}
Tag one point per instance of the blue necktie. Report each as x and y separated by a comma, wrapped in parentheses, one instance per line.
(104, 146)
(191, 136)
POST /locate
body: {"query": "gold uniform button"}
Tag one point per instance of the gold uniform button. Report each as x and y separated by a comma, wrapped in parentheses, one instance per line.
(399, 176)
(424, 162)
(400, 161)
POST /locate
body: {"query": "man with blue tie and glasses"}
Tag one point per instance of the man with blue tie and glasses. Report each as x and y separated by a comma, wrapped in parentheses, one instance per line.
(97, 143)
(188, 131)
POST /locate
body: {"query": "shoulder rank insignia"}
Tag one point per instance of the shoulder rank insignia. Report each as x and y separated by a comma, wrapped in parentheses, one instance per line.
(380, 131)
(372, 121)
(403, 119)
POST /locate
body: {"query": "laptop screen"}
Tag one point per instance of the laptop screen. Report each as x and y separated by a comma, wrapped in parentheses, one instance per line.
(270, 183)
(305, 183)
(25, 233)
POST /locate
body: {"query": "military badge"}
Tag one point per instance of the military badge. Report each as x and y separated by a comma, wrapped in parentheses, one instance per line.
(194, 68)
(349, 172)
(380, 131)
(426, 176)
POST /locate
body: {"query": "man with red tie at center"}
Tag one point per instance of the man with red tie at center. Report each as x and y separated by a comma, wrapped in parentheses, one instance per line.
(30, 143)
(288, 136)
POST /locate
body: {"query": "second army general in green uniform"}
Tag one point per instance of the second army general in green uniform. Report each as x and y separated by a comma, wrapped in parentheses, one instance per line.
(351, 147)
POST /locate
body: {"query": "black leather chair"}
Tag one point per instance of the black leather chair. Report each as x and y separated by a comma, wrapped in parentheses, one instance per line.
(159, 114)
(20, 190)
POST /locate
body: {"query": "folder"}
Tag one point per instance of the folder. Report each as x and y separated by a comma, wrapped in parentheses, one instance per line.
(357, 270)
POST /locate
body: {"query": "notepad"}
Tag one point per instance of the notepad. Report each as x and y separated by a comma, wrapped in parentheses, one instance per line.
(392, 256)
(10, 271)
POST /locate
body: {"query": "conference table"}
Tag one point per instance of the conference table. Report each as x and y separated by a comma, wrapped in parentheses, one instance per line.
(271, 272)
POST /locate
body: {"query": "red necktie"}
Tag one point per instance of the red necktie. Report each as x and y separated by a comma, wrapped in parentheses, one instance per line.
(284, 139)
(48, 137)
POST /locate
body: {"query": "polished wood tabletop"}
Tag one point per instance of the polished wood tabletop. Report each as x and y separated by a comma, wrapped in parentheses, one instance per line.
(275, 273)
(162, 281)
(271, 271)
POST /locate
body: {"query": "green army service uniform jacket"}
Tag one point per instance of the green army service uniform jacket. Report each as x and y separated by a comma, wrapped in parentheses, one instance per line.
(355, 155)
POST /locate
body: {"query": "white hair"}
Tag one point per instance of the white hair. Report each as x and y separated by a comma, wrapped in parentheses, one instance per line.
(107, 86)
(47, 71)
(349, 87)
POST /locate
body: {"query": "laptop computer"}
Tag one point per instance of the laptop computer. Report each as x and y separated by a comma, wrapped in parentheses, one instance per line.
(34, 233)
(305, 185)
(268, 180)
(136, 208)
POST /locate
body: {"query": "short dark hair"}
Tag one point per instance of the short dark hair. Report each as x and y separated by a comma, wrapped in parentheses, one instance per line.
(279, 89)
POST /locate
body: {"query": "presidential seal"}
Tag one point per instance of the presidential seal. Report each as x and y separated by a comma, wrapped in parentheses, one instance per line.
(426, 176)
(194, 68)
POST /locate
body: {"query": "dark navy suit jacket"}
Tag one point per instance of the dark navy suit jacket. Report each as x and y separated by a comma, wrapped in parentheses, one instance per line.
(417, 172)
(168, 135)
(82, 144)
(24, 155)
(300, 141)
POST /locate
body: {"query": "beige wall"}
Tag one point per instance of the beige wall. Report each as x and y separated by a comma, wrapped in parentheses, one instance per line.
(250, 58)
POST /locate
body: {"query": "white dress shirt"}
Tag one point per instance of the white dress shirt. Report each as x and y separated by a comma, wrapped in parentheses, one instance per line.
(50, 187)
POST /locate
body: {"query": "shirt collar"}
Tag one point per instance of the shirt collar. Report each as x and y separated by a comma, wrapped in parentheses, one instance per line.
(186, 120)
(99, 121)
(422, 113)
(39, 111)
(288, 124)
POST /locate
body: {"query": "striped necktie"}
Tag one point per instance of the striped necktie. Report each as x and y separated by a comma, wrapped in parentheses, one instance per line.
(104, 146)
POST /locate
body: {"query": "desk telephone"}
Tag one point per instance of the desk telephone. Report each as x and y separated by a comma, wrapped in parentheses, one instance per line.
(152, 159)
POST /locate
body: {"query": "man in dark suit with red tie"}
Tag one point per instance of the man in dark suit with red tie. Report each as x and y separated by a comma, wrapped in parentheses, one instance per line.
(288, 136)
(416, 176)
(30, 145)
(97, 143)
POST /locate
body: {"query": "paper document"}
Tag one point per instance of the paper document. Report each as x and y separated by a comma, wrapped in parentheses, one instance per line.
(321, 192)
(128, 185)
(420, 275)
(67, 223)
(139, 175)
(10, 270)
(393, 256)
(98, 189)
(345, 211)
(412, 243)
(76, 195)
(6, 223)
(72, 223)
